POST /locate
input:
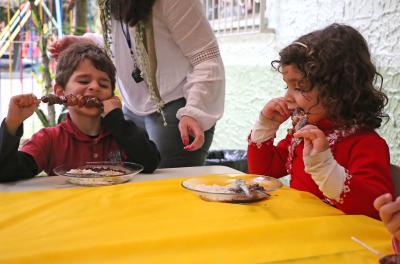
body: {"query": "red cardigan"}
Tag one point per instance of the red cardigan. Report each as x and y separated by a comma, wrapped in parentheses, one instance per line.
(364, 155)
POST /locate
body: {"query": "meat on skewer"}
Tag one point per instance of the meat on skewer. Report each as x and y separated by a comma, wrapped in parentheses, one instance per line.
(71, 100)
(299, 120)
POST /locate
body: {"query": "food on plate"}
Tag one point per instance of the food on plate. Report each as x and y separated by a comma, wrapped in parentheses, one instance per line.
(233, 192)
(95, 171)
(299, 120)
(390, 259)
(72, 100)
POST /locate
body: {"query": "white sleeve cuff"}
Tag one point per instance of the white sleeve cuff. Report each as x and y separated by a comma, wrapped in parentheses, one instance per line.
(263, 130)
(326, 173)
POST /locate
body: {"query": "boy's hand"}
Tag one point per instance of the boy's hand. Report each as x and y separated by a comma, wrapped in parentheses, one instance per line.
(389, 212)
(314, 140)
(110, 104)
(21, 107)
(276, 110)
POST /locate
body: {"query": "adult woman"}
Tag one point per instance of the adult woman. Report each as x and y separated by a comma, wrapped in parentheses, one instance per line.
(170, 72)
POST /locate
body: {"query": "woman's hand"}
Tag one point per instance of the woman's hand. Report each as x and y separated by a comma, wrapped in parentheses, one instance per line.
(314, 140)
(189, 126)
(276, 110)
(389, 211)
(57, 46)
(20, 108)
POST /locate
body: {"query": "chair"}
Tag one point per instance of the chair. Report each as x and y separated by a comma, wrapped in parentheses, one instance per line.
(395, 171)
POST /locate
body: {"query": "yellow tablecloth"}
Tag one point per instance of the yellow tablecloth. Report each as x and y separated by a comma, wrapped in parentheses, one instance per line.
(160, 222)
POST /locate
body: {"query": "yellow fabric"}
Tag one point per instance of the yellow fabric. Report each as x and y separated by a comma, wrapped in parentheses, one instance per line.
(161, 222)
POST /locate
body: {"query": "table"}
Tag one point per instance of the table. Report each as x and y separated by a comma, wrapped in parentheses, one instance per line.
(58, 182)
(157, 221)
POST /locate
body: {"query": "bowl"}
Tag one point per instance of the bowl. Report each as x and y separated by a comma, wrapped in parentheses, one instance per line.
(98, 173)
(223, 187)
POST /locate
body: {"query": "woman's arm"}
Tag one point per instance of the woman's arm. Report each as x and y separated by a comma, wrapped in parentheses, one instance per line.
(204, 89)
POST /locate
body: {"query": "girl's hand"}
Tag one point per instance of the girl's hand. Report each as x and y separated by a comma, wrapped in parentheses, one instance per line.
(57, 46)
(111, 104)
(389, 212)
(276, 110)
(314, 140)
(189, 126)
(20, 108)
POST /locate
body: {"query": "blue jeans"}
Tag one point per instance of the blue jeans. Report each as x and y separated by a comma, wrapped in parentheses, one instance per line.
(168, 139)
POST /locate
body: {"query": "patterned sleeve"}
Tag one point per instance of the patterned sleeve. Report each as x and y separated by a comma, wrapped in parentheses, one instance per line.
(266, 159)
(367, 175)
(204, 89)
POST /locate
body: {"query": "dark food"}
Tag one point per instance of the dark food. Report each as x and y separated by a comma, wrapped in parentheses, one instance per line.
(71, 100)
(252, 188)
(299, 120)
(390, 259)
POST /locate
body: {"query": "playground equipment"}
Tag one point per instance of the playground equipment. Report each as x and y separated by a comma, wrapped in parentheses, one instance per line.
(17, 22)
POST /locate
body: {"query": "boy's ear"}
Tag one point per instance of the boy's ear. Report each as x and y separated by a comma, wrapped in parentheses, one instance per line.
(58, 90)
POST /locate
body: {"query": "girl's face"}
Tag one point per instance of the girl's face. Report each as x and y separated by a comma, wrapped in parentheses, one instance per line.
(298, 96)
(89, 81)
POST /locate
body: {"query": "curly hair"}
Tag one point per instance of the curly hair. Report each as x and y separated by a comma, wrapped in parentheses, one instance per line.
(131, 11)
(337, 62)
(71, 57)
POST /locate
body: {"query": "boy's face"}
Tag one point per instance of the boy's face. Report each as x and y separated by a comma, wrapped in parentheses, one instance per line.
(298, 96)
(89, 81)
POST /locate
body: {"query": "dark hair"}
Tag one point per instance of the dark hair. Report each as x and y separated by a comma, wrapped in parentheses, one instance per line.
(131, 11)
(71, 57)
(337, 62)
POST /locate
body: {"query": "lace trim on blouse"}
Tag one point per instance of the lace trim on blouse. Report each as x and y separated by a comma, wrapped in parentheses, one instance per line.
(205, 55)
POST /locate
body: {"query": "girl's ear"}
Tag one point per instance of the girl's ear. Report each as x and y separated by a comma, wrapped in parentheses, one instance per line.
(58, 90)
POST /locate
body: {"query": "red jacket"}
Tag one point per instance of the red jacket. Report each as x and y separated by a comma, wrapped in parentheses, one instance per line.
(364, 155)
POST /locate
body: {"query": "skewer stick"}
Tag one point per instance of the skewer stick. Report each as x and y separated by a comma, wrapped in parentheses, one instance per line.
(376, 252)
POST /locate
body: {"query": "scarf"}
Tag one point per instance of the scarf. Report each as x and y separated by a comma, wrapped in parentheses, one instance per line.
(145, 51)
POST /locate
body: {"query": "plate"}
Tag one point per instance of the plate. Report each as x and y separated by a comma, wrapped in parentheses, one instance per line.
(223, 187)
(99, 173)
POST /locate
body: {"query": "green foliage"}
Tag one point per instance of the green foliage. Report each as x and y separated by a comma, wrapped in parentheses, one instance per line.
(42, 117)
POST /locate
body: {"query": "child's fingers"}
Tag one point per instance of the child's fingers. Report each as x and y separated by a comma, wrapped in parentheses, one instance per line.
(310, 132)
(282, 106)
(382, 200)
(394, 223)
(25, 100)
(396, 234)
(388, 210)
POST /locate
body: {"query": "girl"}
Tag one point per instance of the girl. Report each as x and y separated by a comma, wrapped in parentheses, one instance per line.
(337, 155)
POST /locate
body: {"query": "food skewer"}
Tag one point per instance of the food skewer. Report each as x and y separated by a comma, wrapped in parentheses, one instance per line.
(299, 120)
(72, 100)
(371, 249)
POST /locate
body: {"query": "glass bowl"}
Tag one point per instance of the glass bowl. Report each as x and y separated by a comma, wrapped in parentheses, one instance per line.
(99, 173)
(223, 188)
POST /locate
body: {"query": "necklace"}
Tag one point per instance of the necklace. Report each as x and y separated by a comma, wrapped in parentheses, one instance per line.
(136, 73)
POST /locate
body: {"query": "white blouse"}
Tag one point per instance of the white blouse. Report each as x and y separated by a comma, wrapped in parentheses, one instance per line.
(188, 63)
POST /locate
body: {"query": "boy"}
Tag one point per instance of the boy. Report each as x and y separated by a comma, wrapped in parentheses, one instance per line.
(88, 133)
